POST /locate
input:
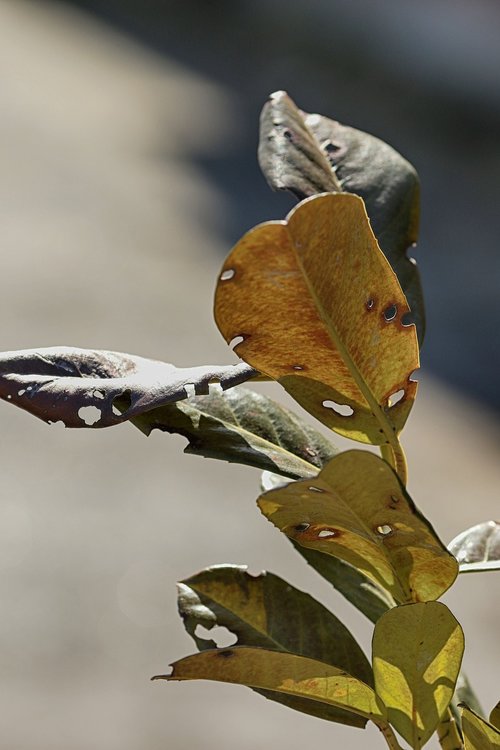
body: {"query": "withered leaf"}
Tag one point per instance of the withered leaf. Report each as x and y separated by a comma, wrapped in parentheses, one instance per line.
(82, 387)
(356, 509)
(309, 154)
(313, 303)
(257, 610)
(242, 426)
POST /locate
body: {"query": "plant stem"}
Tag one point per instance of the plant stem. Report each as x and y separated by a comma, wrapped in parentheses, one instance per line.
(395, 457)
(448, 734)
(389, 735)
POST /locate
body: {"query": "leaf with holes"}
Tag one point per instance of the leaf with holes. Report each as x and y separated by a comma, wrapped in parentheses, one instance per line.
(245, 427)
(417, 652)
(282, 673)
(478, 549)
(83, 387)
(357, 510)
(310, 154)
(478, 733)
(317, 307)
(257, 610)
(369, 598)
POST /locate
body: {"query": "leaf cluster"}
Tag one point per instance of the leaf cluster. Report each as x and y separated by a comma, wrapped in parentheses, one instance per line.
(327, 303)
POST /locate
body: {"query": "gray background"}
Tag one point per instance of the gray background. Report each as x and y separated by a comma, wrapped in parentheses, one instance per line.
(121, 171)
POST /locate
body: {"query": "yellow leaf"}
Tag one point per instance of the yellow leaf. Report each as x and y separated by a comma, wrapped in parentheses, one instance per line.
(417, 652)
(283, 673)
(478, 734)
(495, 716)
(357, 510)
(315, 305)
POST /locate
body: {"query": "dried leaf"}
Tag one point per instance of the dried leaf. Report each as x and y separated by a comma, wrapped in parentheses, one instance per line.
(257, 610)
(245, 427)
(310, 154)
(478, 734)
(81, 387)
(478, 549)
(283, 673)
(314, 304)
(417, 652)
(357, 510)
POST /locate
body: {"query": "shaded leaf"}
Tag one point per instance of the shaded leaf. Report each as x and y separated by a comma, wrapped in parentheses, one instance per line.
(417, 652)
(478, 549)
(495, 716)
(356, 509)
(245, 427)
(257, 610)
(478, 734)
(364, 594)
(464, 693)
(315, 305)
(57, 383)
(310, 154)
(284, 673)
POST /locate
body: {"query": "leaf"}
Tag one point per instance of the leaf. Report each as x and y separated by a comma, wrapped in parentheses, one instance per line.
(310, 154)
(315, 305)
(246, 427)
(478, 549)
(357, 510)
(417, 652)
(478, 734)
(365, 595)
(495, 716)
(81, 387)
(287, 674)
(257, 609)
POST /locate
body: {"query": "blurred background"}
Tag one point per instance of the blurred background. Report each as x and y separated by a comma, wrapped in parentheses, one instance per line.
(128, 135)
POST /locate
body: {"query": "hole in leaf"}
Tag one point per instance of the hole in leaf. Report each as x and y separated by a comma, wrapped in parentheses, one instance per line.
(215, 387)
(20, 393)
(384, 529)
(326, 533)
(407, 319)
(9, 397)
(227, 274)
(370, 304)
(121, 403)
(288, 134)
(236, 340)
(301, 527)
(297, 367)
(390, 313)
(330, 147)
(190, 390)
(396, 397)
(59, 424)
(315, 489)
(220, 634)
(89, 414)
(343, 410)
(98, 394)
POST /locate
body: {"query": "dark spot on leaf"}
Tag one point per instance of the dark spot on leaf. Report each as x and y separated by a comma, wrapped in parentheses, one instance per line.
(330, 147)
(301, 527)
(225, 654)
(288, 134)
(390, 313)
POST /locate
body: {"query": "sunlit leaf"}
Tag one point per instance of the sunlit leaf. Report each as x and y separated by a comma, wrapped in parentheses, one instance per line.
(310, 154)
(245, 427)
(478, 734)
(313, 303)
(495, 716)
(284, 673)
(478, 549)
(82, 387)
(257, 610)
(417, 652)
(357, 510)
